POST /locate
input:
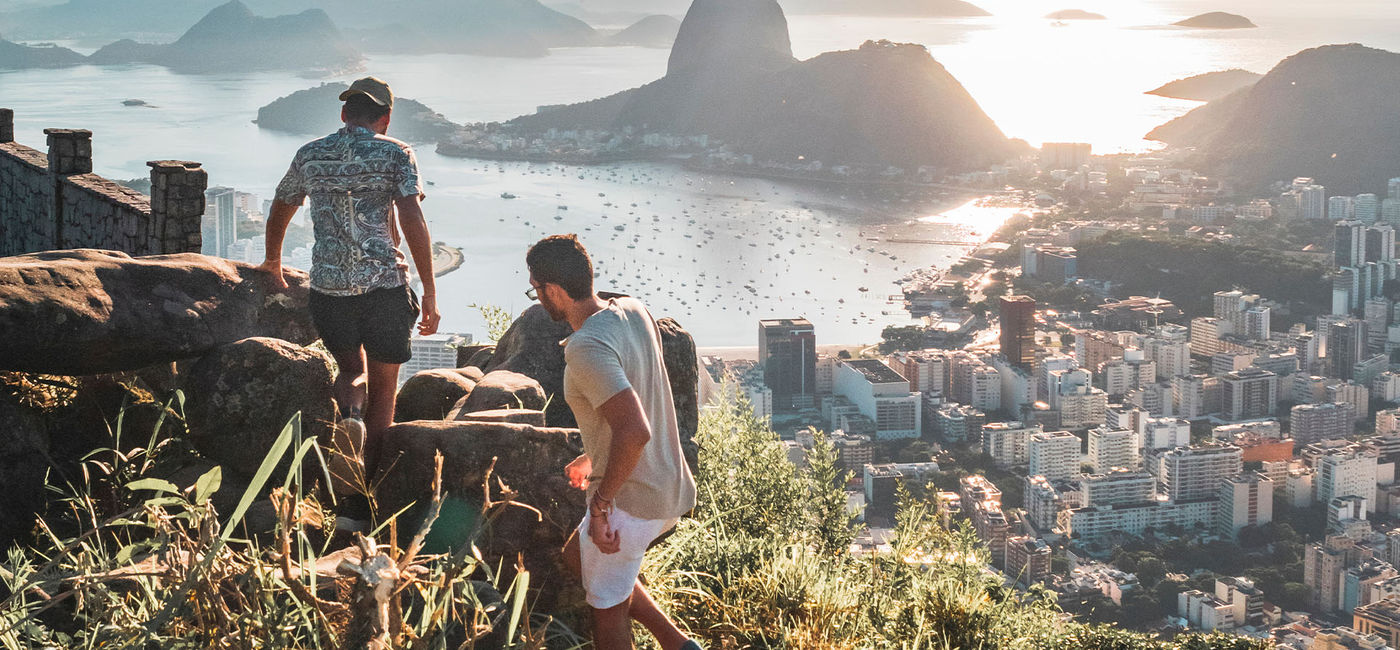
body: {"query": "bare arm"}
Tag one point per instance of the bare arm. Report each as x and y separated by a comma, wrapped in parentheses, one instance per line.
(277, 223)
(415, 232)
(630, 434)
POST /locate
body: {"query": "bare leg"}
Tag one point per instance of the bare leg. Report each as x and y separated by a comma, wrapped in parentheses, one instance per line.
(612, 627)
(641, 607)
(644, 610)
(349, 387)
(379, 409)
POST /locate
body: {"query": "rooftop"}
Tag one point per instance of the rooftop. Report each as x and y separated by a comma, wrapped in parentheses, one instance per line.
(785, 322)
(875, 371)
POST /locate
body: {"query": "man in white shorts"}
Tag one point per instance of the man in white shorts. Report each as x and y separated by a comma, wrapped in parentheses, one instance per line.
(637, 480)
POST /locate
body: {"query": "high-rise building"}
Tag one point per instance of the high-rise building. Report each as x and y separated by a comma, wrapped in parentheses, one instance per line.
(1018, 330)
(1118, 487)
(1245, 500)
(220, 220)
(1312, 201)
(1349, 471)
(1160, 434)
(1248, 394)
(1346, 345)
(927, 371)
(787, 349)
(1367, 208)
(1190, 473)
(433, 351)
(1380, 243)
(1112, 448)
(1350, 392)
(1393, 191)
(1206, 333)
(1349, 243)
(1390, 212)
(882, 395)
(1381, 618)
(1028, 559)
(1310, 423)
(1341, 208)
(1053, 455)
(1043, 503)
(1323, 565)
(1008, 443)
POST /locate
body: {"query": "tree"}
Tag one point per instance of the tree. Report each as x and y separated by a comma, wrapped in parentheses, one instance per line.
(834, 526)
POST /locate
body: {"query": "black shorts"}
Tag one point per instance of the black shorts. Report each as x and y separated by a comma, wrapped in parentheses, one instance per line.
(380, 321)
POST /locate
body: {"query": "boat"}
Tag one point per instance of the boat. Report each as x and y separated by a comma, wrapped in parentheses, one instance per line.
(507, 195)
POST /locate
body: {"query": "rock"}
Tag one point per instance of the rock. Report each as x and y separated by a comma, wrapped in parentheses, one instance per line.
(85, 311)
(24, 447)
(431, 394)
(683, 369)
(529, 460)
(466, 354)
(503, 389)
(473, 373)
(531, 347)
(519, 416)
(241, 396)
(731, 35)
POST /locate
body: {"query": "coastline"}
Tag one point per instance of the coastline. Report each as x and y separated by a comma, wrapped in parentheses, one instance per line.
(446, 259)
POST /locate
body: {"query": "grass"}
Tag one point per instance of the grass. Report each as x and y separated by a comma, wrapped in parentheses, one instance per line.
(129, 560)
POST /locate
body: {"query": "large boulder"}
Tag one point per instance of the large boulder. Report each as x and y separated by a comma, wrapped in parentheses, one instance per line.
(683, 369)
(24, 450)
(242, 394)
(78, 312)
(503, 389)
(531, 347)
(474, 355)
(431, 394)
(529, 460)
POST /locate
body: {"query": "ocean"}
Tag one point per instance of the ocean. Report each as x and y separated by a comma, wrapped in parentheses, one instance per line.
(716, 252)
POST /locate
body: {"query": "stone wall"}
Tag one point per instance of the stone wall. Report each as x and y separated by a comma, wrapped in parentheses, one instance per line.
(53, 201)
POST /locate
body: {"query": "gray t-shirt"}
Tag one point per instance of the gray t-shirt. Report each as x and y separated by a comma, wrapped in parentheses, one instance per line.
(616, 349)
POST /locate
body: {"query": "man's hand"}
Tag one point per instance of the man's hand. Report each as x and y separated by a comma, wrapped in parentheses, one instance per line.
(428, 305)
(578, 470)
(604, 537)
(274, 267)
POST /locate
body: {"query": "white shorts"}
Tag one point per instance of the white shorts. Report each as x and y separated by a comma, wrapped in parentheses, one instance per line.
(608, 578)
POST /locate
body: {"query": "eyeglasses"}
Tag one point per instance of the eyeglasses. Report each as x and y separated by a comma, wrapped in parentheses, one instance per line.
(532, 293)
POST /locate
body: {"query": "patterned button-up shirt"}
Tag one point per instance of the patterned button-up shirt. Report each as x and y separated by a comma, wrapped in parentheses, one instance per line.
(353, 177)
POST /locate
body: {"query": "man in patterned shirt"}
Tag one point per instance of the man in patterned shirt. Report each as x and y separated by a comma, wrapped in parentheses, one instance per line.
(358, 179)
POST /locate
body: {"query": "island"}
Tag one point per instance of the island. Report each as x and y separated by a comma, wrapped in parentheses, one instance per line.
(232, 39)
(652, 31)
(1207, 87)
(1286, 125)
(1216, 20)
(1075, 14)
(316, 111)
(519, 28)
(17, 56)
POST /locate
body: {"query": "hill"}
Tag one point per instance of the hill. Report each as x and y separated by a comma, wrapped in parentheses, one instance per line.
(103, 20)
(652, 31)
(316, 111)
(231, 39)
(1216, 20)
(1075, 14)
(1207, 87)
(927, 8)
(14, 56)
(1324, 112)
(731, 75)
(490, 27)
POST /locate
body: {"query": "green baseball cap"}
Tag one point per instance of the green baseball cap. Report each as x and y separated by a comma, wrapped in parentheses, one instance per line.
(375, 89)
